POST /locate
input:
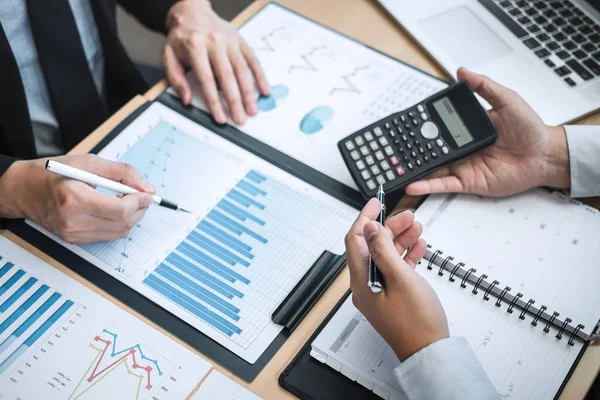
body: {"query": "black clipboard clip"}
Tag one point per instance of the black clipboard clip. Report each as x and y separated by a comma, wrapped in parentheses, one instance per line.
(308, 290)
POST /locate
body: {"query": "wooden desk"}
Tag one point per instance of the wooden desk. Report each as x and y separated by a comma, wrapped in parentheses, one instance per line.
(363, 20)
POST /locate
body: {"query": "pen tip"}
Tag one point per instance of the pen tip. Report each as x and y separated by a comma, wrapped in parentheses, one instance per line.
(184, 210)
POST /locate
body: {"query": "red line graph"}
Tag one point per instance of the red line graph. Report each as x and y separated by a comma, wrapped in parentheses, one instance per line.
(95, 373)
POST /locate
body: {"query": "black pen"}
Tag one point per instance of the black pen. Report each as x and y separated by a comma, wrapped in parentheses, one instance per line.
(375, 277)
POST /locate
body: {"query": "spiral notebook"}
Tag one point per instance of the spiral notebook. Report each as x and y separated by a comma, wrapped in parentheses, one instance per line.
(518, 277)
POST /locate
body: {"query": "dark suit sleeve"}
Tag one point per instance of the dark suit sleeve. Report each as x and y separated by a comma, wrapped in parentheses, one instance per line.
(5, 162)
(152, 13)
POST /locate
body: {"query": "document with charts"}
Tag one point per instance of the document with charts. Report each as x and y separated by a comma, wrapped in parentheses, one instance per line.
(517, 277)
(324, 86)
(254, 232)
(61, 341)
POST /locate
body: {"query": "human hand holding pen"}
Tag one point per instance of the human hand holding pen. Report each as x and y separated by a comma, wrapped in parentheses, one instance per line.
(74, 210)
(407, 313)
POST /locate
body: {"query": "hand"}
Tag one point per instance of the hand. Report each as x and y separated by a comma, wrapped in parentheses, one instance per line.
(200, 39)
(73, 210)
(407, 313)
(527, 153)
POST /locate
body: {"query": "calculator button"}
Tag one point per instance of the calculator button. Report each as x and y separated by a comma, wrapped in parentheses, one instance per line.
(424, 116)
(409, 146)
(411, 114)
(410, 166)
(429, 130)
(390, 175)
(419, 162)
(375, 170)
(439, 142)
(360, 165)
(359, 140)
(389, 151)
(364, 151)
(399, 130)
(392, 134)
(433, 154)
(377, 131)
(374, 146)
(349, 145)
(445, 150)
(426, 159)
(365, 174)
(407, 126)
(429, 146)
(396, 121)
(421, 150)
(388, 126)
(371, 185)
(400, 171)
(355, 156)
(404, 138)
(368, 136)
(405, 159)
(384, 165)
(397, 142)
(369, 160)
(379, 155)
(420, 108)
(403, 118)
(415, 122)
(417, 142)
(411, 134)
(394, 160)
(380, 179)
(413, 154)
(383, 141)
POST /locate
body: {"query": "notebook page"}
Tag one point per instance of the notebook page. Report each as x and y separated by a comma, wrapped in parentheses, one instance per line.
(521, 360)
(541, 244)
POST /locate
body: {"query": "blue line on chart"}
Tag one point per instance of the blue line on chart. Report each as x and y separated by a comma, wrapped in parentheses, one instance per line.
(350, 88)
(307, 65)
(137, 346)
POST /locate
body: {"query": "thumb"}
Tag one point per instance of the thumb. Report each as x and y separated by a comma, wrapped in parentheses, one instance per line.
(382, 249)
(124, 173)
(497, 95)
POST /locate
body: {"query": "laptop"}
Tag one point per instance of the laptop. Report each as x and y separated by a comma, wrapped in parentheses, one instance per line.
(547, 51)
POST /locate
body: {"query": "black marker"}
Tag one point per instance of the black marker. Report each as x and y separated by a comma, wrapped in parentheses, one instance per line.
(375, 277)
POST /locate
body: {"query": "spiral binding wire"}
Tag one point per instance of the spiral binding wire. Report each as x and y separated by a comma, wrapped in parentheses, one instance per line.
(502, 297)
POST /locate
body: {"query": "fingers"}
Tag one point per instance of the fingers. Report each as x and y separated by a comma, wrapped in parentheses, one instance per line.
(382, 250)
(115, 171)
(245, 81)
(416, 253)
(101, 230)
(202, 69)
(370, 212)
(227, 80)
(447, 184)
(497, 95)
(256, 69)
(176, 74)
(408, 238)
(91, 202)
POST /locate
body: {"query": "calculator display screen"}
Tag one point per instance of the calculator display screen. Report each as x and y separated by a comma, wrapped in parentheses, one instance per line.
(453, 121)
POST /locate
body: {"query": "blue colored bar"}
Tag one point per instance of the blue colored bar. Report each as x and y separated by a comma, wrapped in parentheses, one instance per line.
(255, 176)
(235, 210)
(250, 189)
(37, 314)
(226, 240)
(5, 268)
(22, 308)
(204, 277)
(216, 249)
(49, 322)
(11, 281)
(192, 306)
(231, 212)
(203, 294)
(228, 222)
(15, 296)
(244, 200)
(210, 263)
(218, 233)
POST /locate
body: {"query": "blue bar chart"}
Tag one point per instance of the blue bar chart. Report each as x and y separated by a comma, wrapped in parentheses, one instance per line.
(236, 266)
(28, 309)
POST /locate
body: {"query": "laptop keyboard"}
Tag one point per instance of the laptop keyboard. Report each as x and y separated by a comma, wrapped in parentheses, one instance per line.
(558, 32)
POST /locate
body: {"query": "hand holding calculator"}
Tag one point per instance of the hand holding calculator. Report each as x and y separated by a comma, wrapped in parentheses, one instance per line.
(411, 144)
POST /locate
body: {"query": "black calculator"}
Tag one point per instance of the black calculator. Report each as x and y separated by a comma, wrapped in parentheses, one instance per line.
(408, 145)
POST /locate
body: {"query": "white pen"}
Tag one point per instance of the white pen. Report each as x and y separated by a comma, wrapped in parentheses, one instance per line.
(92, 179)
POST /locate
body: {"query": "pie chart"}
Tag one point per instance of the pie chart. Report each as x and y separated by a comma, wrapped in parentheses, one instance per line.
(316, 119)
(278, 94)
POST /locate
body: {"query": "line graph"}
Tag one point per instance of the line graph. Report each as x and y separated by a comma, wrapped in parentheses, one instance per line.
(307, 64)
(350, 86)
(266, 40)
